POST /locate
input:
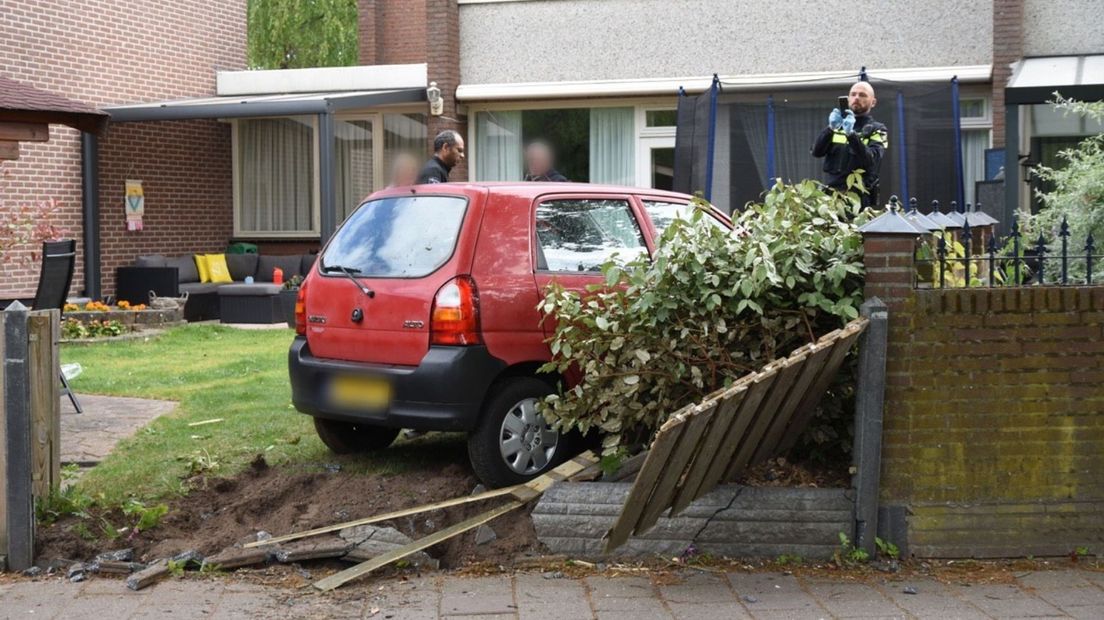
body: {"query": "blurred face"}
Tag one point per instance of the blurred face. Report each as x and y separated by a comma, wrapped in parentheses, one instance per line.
(861, 98)
(405, 171)
(453, 154)
(538, 160)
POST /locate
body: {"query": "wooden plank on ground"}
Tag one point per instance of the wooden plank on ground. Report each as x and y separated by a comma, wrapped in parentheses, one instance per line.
(723, 418)
(645, 481)
(9, 150)
(338, 579)
(43, 369)
(758, 388)
(807, 407)
(522, 492)
(790, 369)
(667, 485)
(818, 355)
(24, 132)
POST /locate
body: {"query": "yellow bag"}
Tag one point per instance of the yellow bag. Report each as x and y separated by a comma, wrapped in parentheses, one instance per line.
(201, 265)
(217, 269)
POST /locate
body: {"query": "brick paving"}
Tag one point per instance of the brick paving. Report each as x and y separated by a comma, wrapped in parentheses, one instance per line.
(545, 596)
(90, 436)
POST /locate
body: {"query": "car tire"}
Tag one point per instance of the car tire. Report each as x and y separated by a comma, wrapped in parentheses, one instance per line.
(351, 437)
(511, 443)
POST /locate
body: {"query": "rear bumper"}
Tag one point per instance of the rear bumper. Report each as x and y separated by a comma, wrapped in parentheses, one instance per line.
(444, 392)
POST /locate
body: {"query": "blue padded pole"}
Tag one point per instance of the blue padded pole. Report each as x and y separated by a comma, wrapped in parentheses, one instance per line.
(712, 136)
(960, 183)
(902, 161)
(770, 141)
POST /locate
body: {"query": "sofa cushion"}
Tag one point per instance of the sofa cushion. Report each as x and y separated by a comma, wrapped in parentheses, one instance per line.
(201, 267)
(153, 260)
(250, 290)
(186, 267)
(306, 264)
(241, 265)
(266, 263)
(217, 270)
(200, 288)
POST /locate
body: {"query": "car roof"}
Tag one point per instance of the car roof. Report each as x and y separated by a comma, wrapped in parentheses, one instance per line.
(530, 189)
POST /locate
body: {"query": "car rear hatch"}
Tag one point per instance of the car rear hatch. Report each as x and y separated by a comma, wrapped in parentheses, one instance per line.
(372, 294)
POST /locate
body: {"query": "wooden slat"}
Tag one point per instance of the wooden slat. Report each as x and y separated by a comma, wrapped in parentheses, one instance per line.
(24, 132)
(336, 580)
(767, 409)
(807, 407)
(722, 422)
(667, 485)
(645, 481)
(521, 492)
(43, 369)
(757, 390)
(818, 355)
(9, 150)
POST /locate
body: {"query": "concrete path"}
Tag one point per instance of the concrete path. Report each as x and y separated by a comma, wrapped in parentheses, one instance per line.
(539, 596)
(88, 437)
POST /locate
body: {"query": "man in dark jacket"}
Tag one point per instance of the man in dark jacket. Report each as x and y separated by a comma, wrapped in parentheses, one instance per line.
(448, 150)
(852, 141)
(538, 163)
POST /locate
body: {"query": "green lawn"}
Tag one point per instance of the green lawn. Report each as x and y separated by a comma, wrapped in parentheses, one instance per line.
(216, 372)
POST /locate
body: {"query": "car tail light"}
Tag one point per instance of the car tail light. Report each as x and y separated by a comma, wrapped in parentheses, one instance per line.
(455, 316)
(301, 310)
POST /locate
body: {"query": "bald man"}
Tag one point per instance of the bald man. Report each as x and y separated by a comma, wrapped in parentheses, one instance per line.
(852, 141)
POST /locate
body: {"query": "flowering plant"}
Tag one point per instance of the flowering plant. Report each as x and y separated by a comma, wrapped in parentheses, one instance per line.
(28, 225)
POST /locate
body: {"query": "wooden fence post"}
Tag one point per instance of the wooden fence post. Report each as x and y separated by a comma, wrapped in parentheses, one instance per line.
(43, 330)
(17, 414)
(869, 405)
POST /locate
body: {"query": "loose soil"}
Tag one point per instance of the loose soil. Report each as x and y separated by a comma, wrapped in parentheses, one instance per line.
(221, 512)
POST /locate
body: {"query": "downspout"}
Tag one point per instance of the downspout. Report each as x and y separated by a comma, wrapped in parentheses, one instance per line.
(90, 208)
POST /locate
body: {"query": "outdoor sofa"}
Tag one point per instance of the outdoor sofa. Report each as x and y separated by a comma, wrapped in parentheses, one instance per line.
(231, 302)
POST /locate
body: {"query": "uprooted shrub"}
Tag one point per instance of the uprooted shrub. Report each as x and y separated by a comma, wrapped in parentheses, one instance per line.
(709, 307)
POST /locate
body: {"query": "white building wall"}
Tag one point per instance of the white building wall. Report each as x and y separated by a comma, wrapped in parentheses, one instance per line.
(1063, 27)
(567, 40)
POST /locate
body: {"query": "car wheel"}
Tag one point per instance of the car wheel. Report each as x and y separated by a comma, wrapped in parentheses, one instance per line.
(513, 443)
(350, 437)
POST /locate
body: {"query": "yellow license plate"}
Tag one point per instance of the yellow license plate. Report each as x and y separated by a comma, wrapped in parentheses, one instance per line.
(366, 392)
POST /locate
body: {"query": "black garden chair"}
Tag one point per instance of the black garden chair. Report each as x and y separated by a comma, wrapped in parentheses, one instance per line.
(59, 259)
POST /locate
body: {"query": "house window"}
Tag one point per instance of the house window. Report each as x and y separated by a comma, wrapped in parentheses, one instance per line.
(276, 172)
(593, 145)
(976, 123)
(276, 164)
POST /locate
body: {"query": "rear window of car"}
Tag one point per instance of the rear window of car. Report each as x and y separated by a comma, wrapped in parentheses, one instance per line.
(663, 213)
(398, 237)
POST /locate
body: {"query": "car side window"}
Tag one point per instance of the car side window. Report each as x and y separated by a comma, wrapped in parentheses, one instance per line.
(578, 235)
(663, 213)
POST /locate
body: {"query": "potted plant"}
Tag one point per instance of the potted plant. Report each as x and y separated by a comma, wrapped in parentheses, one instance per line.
(288, 295)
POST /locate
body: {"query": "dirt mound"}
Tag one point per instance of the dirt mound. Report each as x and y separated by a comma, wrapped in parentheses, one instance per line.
(220, 512)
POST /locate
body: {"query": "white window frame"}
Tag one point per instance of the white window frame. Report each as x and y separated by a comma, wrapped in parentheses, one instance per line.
(316, 220)
(378, 172)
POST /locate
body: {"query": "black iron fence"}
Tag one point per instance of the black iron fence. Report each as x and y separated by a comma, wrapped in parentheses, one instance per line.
(960, 249)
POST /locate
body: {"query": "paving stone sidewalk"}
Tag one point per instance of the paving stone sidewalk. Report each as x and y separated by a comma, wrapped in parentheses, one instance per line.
(89, 437)
(542, 596)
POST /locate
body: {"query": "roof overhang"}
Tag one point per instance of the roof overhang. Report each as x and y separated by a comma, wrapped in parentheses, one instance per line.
(322, 80)
(670, 86)
(1034, 80)
(263, 105)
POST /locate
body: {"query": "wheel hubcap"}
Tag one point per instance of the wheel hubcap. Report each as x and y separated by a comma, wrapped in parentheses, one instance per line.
(527, 442)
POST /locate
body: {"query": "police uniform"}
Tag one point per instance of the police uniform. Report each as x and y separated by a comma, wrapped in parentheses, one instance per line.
(844, 153)
(434, 171)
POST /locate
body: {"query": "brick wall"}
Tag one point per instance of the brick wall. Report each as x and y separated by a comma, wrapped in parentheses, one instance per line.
(1008, 46)
(108, 52)
(185, 170)
(417, 31)
(994, 414)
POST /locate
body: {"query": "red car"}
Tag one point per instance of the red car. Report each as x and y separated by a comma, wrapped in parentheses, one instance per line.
(421, 312)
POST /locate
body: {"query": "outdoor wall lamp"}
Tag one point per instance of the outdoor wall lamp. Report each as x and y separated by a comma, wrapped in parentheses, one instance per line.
(436, 102)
